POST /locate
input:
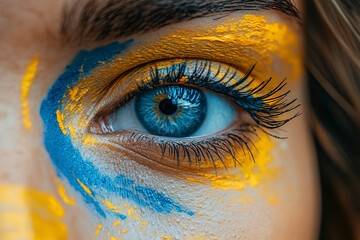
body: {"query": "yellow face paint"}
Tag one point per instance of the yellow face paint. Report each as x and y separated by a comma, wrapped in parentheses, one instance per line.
(86, 189)
(28, 214)
(64, 196)
(25, 87)
(240, 43)
(200, 238)
(250, 173)
(60, 119)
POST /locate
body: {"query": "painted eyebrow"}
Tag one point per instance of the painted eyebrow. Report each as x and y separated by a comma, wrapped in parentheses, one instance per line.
(100, 20)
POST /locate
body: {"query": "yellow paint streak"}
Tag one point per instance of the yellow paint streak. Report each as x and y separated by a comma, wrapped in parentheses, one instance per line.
(116, 223)
(144, 223)
(64, 197)
(97, 232)
(273, 200)
(89, 140)
(194, 180)
(29, 214)
(74, 116)
(85, 188)
(122, 208)
(76, 94)
(241, 200)
(113, 238)
(73, 92)
(125, 231)
(99, 226)
(72, 129)
(26, 82)
(199, 238)
(60, 118)
(112, 207)
(248, 197)
(165, 237)
(250, 173)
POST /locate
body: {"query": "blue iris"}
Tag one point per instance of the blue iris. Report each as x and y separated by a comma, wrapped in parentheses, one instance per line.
(171, 110)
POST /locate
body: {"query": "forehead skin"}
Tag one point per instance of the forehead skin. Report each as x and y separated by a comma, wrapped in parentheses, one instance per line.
(30, 29)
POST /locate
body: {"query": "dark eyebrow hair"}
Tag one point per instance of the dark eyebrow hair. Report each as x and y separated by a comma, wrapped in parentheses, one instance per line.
(98, 20)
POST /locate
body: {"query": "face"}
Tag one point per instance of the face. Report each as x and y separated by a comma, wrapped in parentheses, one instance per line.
(163, 126)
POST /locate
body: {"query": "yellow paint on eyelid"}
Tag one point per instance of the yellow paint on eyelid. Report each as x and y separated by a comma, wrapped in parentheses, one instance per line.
(71, 117)
(241, 42)
(26, 82)
(29, 214)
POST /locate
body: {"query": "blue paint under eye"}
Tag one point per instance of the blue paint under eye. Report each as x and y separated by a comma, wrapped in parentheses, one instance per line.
(68, 159)
(173, 110)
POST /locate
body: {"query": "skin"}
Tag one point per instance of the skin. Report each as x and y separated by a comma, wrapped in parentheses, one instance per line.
(286, 208)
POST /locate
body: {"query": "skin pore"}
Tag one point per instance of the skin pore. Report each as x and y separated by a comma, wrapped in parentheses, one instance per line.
(64, 176)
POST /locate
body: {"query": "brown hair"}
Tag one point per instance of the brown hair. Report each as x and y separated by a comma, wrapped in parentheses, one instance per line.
(332, 41)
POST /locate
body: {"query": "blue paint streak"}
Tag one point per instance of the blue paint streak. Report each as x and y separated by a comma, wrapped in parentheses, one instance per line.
(68, 159)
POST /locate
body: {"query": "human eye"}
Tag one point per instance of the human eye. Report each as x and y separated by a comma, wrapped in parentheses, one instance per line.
(145, 123)
(196, 111)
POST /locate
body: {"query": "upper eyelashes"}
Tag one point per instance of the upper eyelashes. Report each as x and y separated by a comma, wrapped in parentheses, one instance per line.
(266, 106)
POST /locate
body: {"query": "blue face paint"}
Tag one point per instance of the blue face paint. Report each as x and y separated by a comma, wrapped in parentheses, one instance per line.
(68, 159)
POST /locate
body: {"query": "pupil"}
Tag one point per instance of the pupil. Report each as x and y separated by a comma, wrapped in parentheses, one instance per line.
(167, 107)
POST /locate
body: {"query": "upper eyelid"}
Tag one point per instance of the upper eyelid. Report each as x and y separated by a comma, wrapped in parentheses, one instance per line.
(241, 49)
(154, 67)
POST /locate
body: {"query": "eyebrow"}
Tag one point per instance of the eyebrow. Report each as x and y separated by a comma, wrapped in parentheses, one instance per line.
(100, 20)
